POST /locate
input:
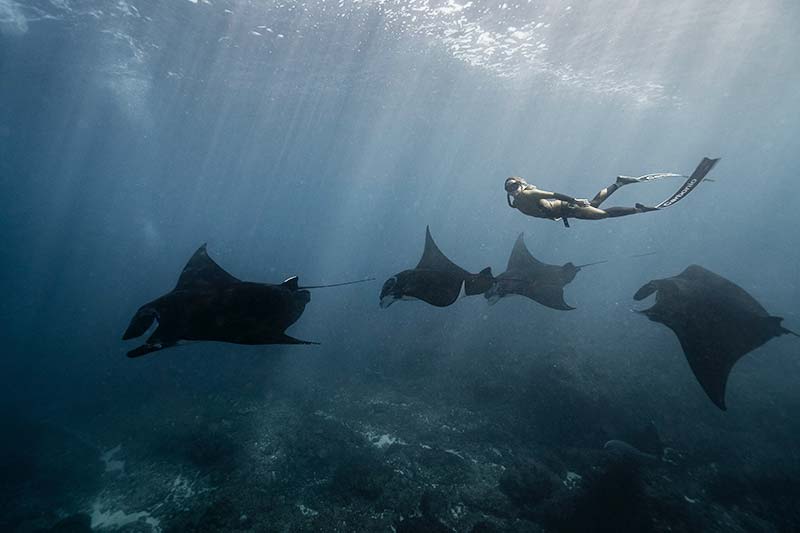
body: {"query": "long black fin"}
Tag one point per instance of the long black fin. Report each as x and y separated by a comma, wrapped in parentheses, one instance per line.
(691, 183)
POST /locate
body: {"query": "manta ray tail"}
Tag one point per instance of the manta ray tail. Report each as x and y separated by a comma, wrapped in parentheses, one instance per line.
(479, 283)
(335, 284)
(593, 263)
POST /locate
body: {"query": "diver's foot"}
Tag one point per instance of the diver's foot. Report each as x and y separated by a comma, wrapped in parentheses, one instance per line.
(645, 208)
(626, 180)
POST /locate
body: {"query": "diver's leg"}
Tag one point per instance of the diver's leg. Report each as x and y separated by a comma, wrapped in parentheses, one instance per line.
(614, 212)
(587, 213)
(625, 211)
(603, 195)
(594, 213)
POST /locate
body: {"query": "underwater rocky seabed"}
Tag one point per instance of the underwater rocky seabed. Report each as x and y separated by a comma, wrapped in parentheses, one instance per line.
(413, 440)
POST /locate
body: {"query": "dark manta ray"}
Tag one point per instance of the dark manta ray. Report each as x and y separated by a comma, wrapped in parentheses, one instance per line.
(208, 304)
(527, 276)
(435, 280)
(716, 322)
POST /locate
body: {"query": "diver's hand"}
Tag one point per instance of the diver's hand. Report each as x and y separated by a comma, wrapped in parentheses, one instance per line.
(582, 202)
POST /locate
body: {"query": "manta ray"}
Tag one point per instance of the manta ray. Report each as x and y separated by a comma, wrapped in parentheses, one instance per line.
(716, 321)
(435, 280)
(208, 304)
(527, 276)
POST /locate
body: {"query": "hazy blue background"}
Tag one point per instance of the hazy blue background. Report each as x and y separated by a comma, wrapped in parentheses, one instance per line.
(320, 138)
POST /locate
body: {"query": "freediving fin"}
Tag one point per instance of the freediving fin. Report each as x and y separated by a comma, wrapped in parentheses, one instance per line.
(691, 183)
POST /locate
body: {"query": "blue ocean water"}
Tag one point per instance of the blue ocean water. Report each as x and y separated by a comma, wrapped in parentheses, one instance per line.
(319, 139)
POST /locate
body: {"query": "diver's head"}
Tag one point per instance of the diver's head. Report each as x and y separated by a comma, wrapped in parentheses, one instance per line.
(514, 185)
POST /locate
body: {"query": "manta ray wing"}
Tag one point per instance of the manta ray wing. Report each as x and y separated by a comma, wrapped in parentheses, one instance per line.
(201, 271)
(521, 258)
(442, 291)
(548, 294)
(434, 259)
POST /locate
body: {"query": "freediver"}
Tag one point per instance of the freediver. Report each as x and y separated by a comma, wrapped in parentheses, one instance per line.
(554, 206)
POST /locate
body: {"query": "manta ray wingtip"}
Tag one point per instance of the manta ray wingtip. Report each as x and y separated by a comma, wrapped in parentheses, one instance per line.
(145, 349)
(719, 401)
(288, 339)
